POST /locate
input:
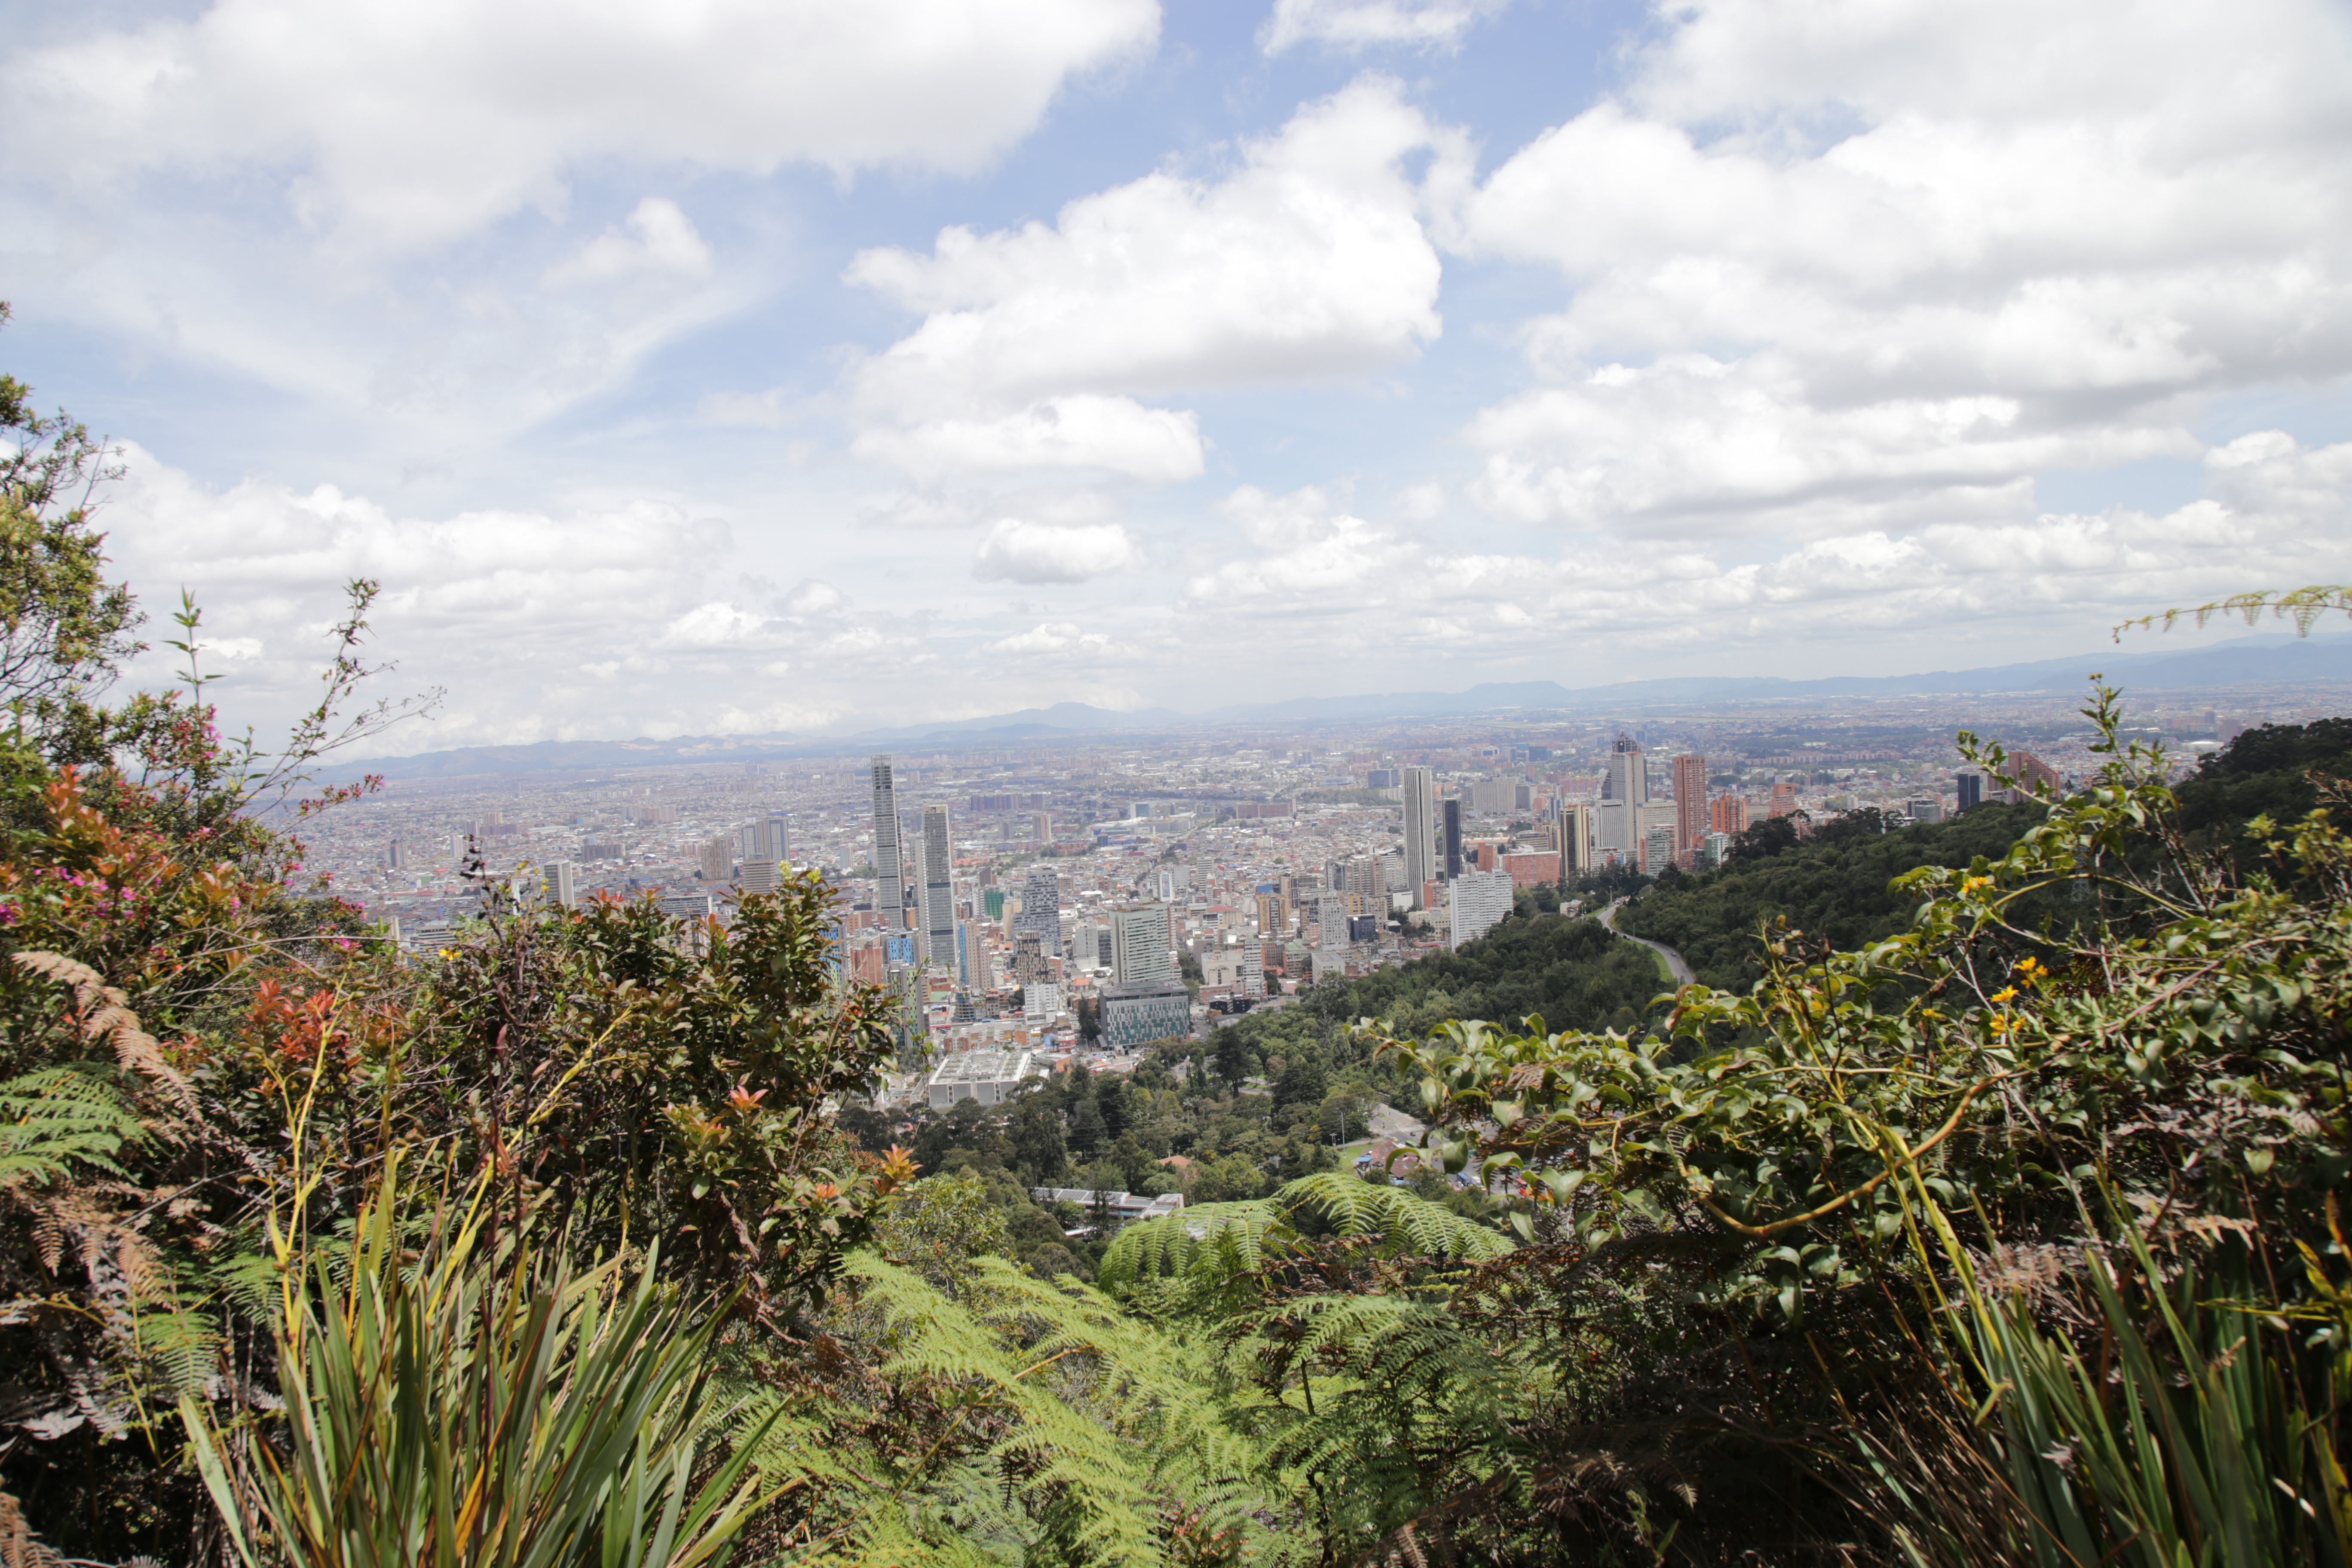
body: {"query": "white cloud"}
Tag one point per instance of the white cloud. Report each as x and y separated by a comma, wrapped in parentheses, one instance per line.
(1081, 431)
(1057, 639)
(610, 620)
(410, 124)
(1889, 251)
(659, 238)
(1315, 560)
(812, 597)
(716, 625)
(1422, 502)
(1364, 24)
(1306, 261)
(1693, 445)
(2276, 515)
(1024, 551)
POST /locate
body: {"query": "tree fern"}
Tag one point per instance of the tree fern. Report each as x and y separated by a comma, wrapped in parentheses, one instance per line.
(1062, 1429)
(1219, 1237)
(1216, 1245)
(1404, 1217)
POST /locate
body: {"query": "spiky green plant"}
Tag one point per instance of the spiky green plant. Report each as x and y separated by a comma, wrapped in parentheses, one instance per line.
(2201, 1428)
(482, 1403)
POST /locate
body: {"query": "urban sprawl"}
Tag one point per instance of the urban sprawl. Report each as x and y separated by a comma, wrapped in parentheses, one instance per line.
(1077, 897)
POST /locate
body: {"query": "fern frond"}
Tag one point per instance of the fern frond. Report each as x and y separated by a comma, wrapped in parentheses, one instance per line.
(2304, 606)
(58, 1121)
(1231, 1236)
(1365, 1208)
(1071, 1428)
(181, 1347)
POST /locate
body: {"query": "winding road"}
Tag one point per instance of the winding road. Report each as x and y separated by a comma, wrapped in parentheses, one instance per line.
(1675, 964)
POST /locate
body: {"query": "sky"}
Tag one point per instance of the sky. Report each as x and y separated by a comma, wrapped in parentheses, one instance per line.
(714, 367)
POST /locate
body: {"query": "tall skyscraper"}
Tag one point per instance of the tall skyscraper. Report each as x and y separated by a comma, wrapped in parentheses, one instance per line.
(1574, 833)
(1452, 838)
(1690, 803)
(1419, 827)
(889, 872)
(1139, 950)
(1624, 791)
(938, 889)
(560, 880)
(1971, 789)
(1041, 909)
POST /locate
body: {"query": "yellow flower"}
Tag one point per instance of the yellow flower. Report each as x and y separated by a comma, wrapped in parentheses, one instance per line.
(1971, 884)
(448, 952)
(2007, 994)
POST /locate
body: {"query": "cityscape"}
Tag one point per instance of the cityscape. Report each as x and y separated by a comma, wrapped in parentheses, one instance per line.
(1085, 896)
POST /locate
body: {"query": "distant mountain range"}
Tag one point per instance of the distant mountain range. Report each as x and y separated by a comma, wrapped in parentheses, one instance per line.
(2247, 661)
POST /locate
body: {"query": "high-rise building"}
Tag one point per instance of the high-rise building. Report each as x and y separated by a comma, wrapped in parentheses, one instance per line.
(1924, 808)
(1476, 902)
(1452, 840)
(1330, 919)
(395, 855)
(972, 956)
(1041, 909)
(1690, 803)
(759, 876)
(1728, 813)
(889, 873)
(1420, 825)
(1576, 848)
(1029, 965)
(716, 858)
(1657, 849)
(1272, 915)
(938, 903)
(1971, 789)
(2030, 772)
(560, 883)
(1249, 969)
(1624, 791)
(1140, 951)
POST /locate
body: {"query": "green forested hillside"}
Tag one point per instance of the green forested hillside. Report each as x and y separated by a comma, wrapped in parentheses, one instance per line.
(2264, 772)
(1833, 888)
(1572, 973)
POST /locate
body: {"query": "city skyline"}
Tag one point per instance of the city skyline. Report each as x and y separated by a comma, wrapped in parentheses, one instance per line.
(738, 374)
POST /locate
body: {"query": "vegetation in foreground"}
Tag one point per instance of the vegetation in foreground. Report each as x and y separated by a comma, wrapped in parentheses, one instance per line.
(2008, 1233)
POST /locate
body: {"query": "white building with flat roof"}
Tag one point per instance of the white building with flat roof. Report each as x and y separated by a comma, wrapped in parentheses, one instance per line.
(1477, 901)
(989, 1077)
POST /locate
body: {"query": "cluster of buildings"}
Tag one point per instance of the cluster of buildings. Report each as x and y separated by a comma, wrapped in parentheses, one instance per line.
(1039, 906)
